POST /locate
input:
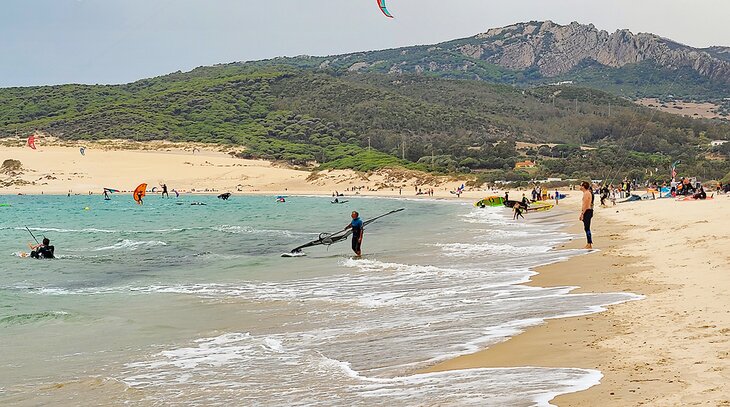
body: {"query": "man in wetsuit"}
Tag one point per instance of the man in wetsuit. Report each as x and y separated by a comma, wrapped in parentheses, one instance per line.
(357, 232)
(164, 191)
(586, 213)
(43, 250)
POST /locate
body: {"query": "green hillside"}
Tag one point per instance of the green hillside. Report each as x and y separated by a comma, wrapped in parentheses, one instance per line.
(317, 118)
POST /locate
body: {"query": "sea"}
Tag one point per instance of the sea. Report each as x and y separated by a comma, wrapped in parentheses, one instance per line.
(175, 304)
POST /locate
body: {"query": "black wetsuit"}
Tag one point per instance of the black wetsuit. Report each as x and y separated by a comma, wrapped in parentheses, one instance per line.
(43, 252)
(587, 217)
(357, 230)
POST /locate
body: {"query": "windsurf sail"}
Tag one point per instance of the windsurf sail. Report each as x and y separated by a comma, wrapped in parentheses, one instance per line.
(384, 9)
(31, 141)
(111, 190)
(328, 239)
(139, 193)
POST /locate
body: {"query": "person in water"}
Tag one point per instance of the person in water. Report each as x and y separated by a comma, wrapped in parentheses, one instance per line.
(357, 232)
(518, 211)
(164, 191)
(43, 250)
(106, 195)
(139, 197)
(586, 213)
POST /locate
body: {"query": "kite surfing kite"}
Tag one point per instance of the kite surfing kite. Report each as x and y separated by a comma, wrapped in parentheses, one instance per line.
(384, 9)
(328, 239)
(139, 193)
(31, 141)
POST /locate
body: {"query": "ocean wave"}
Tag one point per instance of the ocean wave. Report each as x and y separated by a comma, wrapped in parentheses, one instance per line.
(22, 319)
(469, 249)
(131, 245)
(236, 229)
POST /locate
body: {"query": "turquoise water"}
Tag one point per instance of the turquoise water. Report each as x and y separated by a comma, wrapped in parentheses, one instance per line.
(178, 304)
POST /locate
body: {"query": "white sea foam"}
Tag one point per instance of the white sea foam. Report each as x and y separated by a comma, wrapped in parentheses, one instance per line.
(471, 249)
(132, 245)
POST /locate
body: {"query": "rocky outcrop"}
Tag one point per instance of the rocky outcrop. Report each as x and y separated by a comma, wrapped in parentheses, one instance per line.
(556, 49)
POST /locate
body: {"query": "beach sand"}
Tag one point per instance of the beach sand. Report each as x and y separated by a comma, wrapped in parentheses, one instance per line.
(671, 348)
(58, 167)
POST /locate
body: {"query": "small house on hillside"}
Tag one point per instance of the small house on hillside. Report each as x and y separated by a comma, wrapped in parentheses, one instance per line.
(524, 164)
(717, 143)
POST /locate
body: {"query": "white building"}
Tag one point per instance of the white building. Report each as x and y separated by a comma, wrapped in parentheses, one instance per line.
(717, 143)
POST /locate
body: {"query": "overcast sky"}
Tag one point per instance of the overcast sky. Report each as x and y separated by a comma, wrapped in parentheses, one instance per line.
(116, 41)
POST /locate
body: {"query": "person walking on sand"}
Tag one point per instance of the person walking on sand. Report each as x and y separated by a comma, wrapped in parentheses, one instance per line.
(586, 212)
(357, 232)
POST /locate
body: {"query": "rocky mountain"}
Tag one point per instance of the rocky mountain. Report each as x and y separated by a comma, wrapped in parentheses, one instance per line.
(631, 65)
(556, 50)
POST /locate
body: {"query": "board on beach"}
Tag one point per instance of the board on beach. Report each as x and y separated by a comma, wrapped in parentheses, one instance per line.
(491, 201)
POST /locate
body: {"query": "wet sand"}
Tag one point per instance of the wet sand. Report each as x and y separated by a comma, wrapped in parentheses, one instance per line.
(670, 349)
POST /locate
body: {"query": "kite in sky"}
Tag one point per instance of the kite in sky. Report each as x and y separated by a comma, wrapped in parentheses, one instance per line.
(384, 9)
(31, 142)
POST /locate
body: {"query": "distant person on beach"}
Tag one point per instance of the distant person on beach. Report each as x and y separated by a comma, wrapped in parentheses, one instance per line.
(43, 250)
(701, 194)
(525, 202)
(586, 212)
(164, 191)
(357, 233)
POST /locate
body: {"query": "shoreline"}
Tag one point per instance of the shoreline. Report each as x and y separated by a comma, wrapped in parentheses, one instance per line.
(639, 346)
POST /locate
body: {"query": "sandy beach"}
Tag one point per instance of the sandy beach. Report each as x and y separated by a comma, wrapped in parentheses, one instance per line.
(59, 168)
(668, 349)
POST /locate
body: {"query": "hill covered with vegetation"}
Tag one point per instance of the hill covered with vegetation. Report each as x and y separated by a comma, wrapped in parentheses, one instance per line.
(367, 121)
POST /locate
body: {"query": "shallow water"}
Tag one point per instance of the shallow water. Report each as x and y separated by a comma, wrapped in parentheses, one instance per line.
(193, 305)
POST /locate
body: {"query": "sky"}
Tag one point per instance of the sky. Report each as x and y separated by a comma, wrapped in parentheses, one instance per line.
(46, 42)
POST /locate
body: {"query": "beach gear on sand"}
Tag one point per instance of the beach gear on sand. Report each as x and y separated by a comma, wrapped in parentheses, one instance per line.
(540, 208)
(328, 239)
(490, 201)
(31, 142)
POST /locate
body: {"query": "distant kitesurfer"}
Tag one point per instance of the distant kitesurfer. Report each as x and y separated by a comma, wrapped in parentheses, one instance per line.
(586, 214)
(106, 195)
(43, 250)
(164, 191)
(357, 232)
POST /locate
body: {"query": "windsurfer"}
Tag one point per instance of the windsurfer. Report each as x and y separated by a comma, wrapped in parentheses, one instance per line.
(357, 233)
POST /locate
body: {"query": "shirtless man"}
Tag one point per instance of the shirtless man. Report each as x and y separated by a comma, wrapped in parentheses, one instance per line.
(586, 212)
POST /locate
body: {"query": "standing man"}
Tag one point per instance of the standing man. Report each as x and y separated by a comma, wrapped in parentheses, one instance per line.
(586, 212)
(164, 191)
(357, 232)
